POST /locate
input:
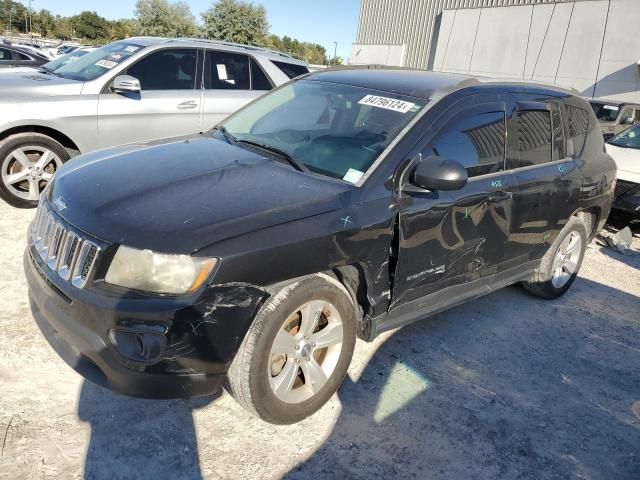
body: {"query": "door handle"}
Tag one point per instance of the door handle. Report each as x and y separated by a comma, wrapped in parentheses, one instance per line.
(187, 104)
(499, 196)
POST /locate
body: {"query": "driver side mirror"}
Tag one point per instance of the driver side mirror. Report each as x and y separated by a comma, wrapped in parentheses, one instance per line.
(126, 84)
(437, 173)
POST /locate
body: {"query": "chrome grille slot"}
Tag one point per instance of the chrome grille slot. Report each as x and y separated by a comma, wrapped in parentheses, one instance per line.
(66, 253)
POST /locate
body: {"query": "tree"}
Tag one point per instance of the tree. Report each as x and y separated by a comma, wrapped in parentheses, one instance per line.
(90, 25)
(337, 61)
(63, 28)
(14, 11)
(236, 21)
(160, 18)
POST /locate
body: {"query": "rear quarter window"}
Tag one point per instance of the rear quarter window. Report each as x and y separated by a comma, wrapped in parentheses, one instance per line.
(291, 70)
(578, 125)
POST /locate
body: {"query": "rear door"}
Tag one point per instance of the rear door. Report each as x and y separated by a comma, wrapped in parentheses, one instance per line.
(168, 105)
(547, 176)
(451, 238)
(231, 80)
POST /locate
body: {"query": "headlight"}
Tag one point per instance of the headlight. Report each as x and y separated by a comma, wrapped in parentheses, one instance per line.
(158, 272)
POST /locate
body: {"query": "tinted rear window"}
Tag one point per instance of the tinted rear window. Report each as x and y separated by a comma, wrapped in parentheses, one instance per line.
(291, 70)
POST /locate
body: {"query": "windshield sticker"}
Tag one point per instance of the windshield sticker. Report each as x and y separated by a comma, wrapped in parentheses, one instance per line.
(105, 64)
(353, 175)
(611, 107)
(387, 103)
(115, 57)
(131, 49)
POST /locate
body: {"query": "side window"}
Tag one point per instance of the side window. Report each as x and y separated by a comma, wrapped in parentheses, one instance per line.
(20, 56)
(291, 70)
(5, 54)
(227, 71)
(476, 141)
(259, 80)
(173, 69)
(578, 124)
(533, 138)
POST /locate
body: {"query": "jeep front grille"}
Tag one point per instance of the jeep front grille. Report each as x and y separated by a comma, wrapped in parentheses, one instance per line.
(66, 253)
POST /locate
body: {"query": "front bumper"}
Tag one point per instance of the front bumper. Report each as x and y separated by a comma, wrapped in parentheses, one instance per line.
(199, 339)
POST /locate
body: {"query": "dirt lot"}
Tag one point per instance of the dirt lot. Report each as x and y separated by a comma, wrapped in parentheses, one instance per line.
(509, 386)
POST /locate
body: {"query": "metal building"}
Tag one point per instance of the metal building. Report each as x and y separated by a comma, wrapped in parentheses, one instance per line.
(589, 45)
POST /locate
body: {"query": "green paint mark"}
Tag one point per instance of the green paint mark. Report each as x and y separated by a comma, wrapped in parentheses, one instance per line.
(562, 168)
(466, 213)
(546, 236)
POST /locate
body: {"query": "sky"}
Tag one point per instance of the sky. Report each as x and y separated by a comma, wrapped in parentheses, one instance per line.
(316, 21)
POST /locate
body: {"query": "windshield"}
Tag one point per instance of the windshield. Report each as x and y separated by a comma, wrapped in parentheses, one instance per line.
(62, 60)
(96, 63)
(605, 112)
(630, 138)
(332, 129)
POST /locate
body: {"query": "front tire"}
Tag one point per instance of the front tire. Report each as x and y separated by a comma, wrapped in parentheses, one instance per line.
(297, 351)
(560, 265)
(28, 161)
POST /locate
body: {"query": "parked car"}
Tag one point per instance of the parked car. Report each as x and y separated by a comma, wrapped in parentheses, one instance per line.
(615, 116)
(13, 56)
(345, 203)
(128, 91)
(625, 150)
(50, 66)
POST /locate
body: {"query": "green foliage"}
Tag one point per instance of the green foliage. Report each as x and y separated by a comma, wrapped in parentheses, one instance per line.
(236, 21)
(309, 52)
(230, 20)
(17, 12)
(90, 25)
(160, 18)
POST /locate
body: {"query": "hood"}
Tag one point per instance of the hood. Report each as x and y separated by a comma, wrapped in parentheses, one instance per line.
(184, 195)
(23, 85)
(627, 161)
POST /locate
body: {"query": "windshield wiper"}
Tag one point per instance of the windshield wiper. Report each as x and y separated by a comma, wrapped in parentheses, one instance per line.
(225, 133)
(281, 153)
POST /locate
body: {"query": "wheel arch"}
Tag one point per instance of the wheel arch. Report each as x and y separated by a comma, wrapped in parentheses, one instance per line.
(56, 135)
(591, 218)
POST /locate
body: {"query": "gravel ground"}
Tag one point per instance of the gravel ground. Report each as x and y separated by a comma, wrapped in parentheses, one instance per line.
(508, 386)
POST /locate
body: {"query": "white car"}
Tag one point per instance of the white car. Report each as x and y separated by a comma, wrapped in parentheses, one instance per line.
(625, 150)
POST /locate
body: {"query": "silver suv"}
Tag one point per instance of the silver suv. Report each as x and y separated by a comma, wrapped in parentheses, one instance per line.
(132, 90)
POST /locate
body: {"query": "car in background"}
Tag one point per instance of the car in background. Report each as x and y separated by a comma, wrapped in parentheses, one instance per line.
(15, 56)
(52, 65)
(615, 116)
(128, 91)
(625, 150)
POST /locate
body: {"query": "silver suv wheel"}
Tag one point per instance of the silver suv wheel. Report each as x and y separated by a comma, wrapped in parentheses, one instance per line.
(27, 170)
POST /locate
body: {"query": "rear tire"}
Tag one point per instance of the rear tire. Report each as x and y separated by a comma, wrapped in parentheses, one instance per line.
(559, 267)
(28, 161)
(288, 367)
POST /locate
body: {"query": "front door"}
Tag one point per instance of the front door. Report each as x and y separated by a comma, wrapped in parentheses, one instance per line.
(168, 105)
(450, 238)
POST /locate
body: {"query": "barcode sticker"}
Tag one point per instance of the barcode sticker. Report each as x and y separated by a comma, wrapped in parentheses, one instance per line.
(387, 103)
(105, 63)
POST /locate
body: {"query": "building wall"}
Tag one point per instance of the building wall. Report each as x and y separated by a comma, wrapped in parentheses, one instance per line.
(590, 45)
(409, 23)
(587, 45)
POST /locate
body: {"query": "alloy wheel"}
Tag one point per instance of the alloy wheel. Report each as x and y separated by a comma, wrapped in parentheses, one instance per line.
(27, 170)
(305, 351)
(565, 262)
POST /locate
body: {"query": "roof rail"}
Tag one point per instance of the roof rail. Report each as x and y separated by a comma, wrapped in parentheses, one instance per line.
(232, 44)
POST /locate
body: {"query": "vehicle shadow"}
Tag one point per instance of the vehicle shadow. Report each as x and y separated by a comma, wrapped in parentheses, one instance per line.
(135, 438)
(492, 389)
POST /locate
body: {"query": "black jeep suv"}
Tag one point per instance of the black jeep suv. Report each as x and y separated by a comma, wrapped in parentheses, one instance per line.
(341, 205)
